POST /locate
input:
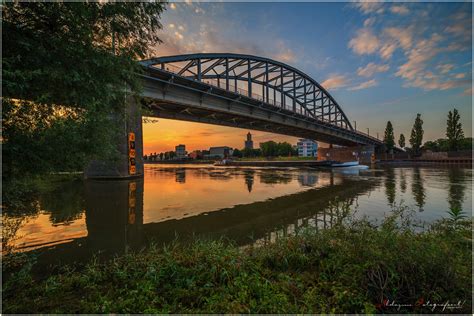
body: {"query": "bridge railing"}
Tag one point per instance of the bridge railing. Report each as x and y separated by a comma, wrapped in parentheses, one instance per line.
(217, 83)
(221, 84)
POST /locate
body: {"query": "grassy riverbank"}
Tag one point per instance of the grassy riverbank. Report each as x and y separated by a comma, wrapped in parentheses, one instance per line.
(352, 267)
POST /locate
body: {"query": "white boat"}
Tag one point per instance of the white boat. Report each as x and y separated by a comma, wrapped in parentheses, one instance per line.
(223, 162)
(345, 164)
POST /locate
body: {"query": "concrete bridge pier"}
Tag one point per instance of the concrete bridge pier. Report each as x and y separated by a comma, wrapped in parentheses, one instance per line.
(129, 142)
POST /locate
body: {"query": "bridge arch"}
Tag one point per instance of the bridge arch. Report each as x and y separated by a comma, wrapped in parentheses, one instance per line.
(269, 81)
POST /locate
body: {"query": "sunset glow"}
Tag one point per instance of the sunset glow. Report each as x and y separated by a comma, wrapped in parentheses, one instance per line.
(165, 134)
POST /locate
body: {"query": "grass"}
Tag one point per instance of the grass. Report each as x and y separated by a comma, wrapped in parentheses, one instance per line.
(353, 267)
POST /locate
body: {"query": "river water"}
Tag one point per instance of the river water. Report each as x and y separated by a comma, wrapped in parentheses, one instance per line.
(81, 218)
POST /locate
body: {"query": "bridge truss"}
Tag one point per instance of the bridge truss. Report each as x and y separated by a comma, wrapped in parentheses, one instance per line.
(268, 81)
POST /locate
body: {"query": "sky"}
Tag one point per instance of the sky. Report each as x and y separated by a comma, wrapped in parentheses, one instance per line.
(380, 61)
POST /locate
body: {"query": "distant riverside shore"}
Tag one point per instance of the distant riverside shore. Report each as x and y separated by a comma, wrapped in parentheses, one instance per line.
(252, 163)
(180, 162)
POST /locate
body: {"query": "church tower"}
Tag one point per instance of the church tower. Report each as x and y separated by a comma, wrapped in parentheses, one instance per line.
(249, 141)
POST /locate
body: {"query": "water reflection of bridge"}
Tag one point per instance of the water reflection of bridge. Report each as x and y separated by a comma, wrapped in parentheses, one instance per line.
(114, 217)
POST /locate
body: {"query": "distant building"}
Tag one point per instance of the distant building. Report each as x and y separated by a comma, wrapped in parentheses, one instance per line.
(181, 152)
(249, 142)
(220, 152)
(307, 148)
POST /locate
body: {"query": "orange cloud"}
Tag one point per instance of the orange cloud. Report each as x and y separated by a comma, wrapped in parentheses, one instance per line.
(334, 82)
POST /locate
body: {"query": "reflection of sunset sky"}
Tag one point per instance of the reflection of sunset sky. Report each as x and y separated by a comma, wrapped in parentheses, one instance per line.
(38, 231)
(201, 190)
(379, 61)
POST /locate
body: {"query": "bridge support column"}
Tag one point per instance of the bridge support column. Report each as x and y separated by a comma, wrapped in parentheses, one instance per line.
(119, 167)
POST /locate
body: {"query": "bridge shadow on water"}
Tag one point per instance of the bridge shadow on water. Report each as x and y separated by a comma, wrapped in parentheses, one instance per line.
(114, 217)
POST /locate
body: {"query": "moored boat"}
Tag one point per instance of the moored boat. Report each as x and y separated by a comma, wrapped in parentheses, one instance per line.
(345, 164)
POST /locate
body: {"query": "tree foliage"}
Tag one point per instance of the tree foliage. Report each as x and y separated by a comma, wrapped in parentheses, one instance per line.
(454, 131)
(249, 153)
(442, 144)
(401, 141)
(416, 137)
(389, 137)
(237, 153)
(66, 69)
(274, 149)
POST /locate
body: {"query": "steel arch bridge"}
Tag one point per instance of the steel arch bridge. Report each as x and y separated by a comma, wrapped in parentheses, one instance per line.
(246, 91)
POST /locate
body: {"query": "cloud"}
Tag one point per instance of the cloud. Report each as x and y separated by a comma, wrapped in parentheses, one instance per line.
(364, 85)
(365, 42)
(467, 92)
(422, 43)
(178, 35)
(172, 6)
(403, 36)
(371, 69)
(284, 53)
(461, 26)
(369, 22)
(207, 39)
(386, 51)
(399, 9)
(418, 56)
(445, 68)
(436, 84)
(370, 7)
(334, 82)
(198, 10)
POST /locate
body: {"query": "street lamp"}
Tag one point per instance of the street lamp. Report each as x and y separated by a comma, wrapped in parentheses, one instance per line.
(368, 131)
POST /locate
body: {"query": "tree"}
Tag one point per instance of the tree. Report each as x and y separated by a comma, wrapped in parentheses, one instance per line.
(454, 131)
(269, 149)
(285, 149)
(437, 145)
(237, 153)
(389, 137)
(401, 141)
(247, 152)
(416, 137)
(64, 70)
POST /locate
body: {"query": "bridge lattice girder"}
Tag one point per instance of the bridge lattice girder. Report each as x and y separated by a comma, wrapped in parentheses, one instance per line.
(264, 79)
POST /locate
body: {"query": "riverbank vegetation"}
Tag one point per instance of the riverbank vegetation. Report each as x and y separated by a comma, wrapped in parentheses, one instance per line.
(355, 266)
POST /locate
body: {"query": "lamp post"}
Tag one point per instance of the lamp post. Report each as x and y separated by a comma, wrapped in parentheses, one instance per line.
(355, 125)
(368, 131)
